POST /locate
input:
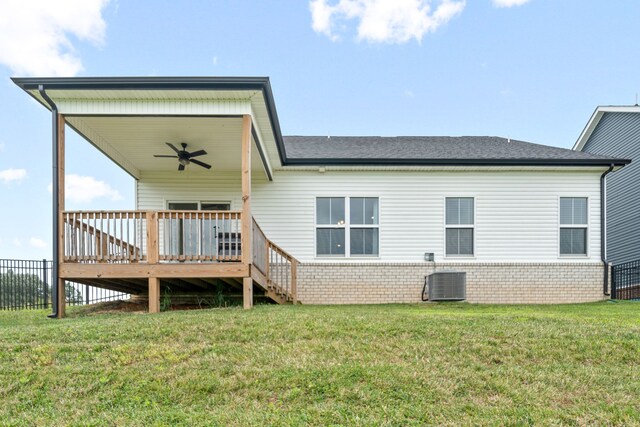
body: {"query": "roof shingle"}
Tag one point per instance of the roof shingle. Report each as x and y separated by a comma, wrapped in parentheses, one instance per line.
(430, 150)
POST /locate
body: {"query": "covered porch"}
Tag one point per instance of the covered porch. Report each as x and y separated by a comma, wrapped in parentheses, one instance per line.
(230, 124)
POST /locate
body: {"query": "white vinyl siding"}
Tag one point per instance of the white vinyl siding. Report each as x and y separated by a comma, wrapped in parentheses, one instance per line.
(516, 212)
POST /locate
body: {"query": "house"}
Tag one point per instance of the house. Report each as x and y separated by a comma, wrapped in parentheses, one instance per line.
(316, 220)
(615, 131)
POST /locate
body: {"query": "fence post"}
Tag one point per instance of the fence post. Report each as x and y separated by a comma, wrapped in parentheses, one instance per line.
(614, 290)
(86, 294)
(45, 283)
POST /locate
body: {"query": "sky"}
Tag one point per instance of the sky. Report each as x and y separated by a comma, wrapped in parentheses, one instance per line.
(532, 70)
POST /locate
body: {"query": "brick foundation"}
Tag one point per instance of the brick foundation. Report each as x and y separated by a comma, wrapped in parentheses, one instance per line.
(496, 283)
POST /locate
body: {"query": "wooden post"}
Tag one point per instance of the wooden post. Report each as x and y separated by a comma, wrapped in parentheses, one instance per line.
(154, 295)
(294, 281)
(152, 258)
(62, 296)
(247, 292)
(152, 238)
(247, 252)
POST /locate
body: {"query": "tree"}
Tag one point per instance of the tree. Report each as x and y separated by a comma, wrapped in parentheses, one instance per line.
(72, 294)
(22, 290)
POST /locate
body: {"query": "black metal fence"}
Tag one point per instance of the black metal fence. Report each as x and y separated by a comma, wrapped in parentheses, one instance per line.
(26, 284)
(625, 283)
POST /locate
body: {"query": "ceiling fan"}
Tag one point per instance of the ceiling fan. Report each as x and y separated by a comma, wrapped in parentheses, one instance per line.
(184, 157)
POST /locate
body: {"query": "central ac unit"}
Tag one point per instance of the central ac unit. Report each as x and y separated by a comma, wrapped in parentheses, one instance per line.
(448, 286)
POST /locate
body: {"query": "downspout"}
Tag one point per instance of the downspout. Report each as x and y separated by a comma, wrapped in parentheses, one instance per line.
(603, 229)
(56, 206)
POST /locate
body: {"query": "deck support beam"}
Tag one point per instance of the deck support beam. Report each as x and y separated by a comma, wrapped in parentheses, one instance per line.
(247, 219)
(247, 293)
(154, 295)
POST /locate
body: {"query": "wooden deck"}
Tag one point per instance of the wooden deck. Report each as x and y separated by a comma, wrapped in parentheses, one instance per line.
(139, 252)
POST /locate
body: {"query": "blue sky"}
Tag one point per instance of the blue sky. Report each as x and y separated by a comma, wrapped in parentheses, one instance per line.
(531, 70)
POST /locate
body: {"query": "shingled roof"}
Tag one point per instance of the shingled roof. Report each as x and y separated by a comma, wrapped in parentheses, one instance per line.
(432, 150)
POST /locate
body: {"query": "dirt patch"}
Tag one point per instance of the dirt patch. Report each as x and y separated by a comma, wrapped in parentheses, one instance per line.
(114, 307)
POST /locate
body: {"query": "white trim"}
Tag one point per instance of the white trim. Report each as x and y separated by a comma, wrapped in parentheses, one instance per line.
(260, 145)
(595, 119)
(586, 226)
(456, 226)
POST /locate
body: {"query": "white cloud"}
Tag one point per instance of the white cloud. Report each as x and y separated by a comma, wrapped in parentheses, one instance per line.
(34, 34)
(12, 175)
(17, 243)
(84, 189)
(214, 60)
(509, 3)
(37, 243)
(384, 21)
(2, 147)
(409, 93)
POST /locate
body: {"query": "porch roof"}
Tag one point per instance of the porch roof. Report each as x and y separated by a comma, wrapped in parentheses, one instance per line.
(131, 118)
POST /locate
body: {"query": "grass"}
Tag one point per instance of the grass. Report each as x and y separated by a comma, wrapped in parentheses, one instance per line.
(448, 364)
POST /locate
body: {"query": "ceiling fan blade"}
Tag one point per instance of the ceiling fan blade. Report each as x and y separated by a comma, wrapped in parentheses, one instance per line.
(173, 147)
(165, 155)
(197, 153)
(180, 167)
(199, 163)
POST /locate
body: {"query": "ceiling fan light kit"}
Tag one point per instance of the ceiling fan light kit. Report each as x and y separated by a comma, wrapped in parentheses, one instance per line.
(184, 157)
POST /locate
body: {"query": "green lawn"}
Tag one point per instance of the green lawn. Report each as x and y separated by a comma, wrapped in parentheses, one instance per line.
(449, 364)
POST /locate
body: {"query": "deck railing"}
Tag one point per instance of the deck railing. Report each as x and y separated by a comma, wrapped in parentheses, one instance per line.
(205, 236)
(279, 268)
(176, 236)
(260, 251)
(123, 236)
(105, 236)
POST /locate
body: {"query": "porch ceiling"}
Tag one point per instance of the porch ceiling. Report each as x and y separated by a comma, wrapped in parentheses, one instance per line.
(131, 141)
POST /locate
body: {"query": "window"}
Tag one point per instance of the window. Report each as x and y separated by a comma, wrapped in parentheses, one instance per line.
(182, 235)
(364, 226)
(573, 225)
(347, 225)
(459, 223)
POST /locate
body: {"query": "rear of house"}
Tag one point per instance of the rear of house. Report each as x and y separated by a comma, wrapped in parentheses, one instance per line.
(357, 219)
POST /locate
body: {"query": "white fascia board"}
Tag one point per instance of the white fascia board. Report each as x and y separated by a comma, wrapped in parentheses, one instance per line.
(151, 107)
(595, 119)
(266, 161)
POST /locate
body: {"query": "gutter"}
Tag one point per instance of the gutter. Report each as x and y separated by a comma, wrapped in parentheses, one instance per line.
(56, 207)
(603, 229)
(452, 162)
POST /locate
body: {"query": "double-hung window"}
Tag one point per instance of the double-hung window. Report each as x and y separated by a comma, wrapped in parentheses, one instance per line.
(347, 226)
(459, 225)
(573, 225)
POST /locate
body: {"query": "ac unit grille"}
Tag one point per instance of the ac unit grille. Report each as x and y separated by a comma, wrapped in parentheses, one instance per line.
(448, 286)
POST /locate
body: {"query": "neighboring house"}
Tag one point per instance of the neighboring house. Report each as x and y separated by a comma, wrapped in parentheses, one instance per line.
(615, 131)
(341, 219)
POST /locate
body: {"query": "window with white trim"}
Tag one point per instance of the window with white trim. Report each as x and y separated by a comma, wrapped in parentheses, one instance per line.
(573, 225)
(347, 225)
(459, 226)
